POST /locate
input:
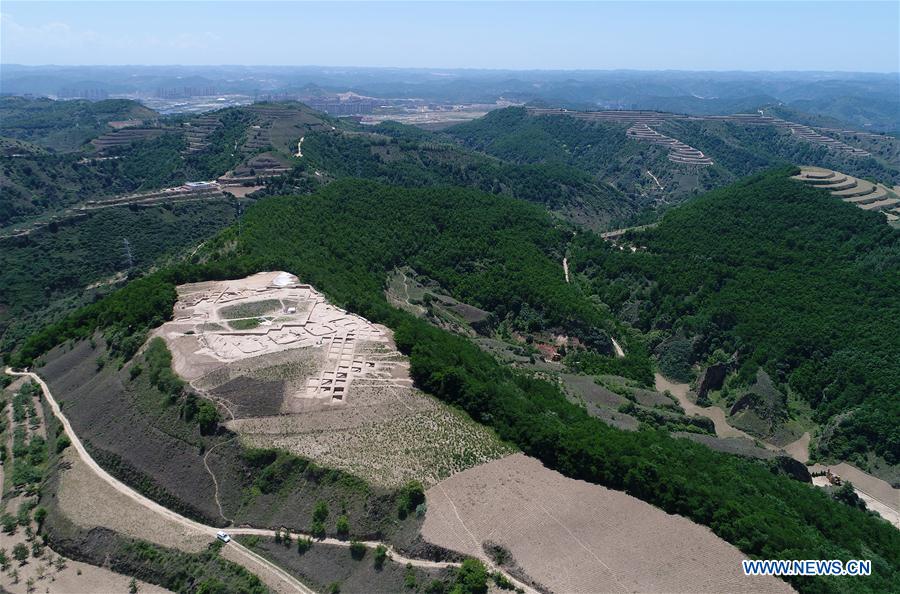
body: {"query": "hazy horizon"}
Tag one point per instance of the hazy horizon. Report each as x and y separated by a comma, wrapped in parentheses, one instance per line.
(450, 69)
(578, 37)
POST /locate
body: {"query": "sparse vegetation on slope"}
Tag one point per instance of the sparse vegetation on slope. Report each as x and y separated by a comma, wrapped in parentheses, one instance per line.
(65, 125)
(347, 239)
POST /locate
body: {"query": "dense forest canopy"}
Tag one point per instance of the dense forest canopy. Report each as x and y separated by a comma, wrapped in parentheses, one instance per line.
(407, 156)
(789, 278)
(497, 252)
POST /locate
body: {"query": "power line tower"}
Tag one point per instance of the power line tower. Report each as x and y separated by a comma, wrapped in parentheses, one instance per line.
(129, 260)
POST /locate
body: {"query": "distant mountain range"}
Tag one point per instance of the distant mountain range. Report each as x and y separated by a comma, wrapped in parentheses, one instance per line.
(863, 100)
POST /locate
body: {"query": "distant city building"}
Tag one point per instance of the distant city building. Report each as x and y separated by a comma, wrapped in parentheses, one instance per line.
(335, 106)
(93, 94)
(184, 92)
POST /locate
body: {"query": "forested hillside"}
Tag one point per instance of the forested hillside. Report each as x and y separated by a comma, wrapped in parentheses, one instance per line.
(501, 253)
(408, 156)
(47, 272)
(65, 125)
(603, 150)
(788, 278)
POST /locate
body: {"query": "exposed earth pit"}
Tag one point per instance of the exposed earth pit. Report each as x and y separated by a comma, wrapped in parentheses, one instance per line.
(290, 370)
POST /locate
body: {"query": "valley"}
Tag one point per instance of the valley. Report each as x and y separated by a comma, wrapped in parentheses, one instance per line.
(451, 343)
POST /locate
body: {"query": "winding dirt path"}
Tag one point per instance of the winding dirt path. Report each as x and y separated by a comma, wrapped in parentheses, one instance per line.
(656, 180)
(215, 482)
(713, 413)
(273, 575)
(877, 494)
(267, 571)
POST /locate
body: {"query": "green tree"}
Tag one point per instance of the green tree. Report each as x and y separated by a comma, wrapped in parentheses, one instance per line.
(207, 417)
(320, 512)
(471, 578)
(357, 550)
(380, 556)
(20, 553)
(342, 527)
(40, 514)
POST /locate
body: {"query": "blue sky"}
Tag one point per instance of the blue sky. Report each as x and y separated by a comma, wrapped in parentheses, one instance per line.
(761, 35)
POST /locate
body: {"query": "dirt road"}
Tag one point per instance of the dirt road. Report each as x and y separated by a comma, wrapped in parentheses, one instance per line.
(656, 180)
(271, 574)
(714, 413)
(274, 577)
(878, 494)
(619, 352)
(566, 268)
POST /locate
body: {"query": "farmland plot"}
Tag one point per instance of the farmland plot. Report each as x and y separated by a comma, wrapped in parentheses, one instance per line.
(572, 536)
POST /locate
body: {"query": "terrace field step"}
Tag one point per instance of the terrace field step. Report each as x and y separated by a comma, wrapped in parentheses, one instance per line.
(862, 188)
(878, 194)
(881, 205)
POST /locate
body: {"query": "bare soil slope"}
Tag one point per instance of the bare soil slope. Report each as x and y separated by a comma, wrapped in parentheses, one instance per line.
(572, 536)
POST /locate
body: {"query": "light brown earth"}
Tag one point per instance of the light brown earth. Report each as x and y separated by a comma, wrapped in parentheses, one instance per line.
(878, 494)
(73, 577)
(714, 413)
(184, 529)
(89, 501)
(50, 575)
(572, 536)
(336, 388)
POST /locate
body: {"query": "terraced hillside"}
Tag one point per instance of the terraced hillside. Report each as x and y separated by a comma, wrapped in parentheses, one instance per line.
(747, 306)
(862, 193)
(66, 125)
(684, 154)
(479, 249)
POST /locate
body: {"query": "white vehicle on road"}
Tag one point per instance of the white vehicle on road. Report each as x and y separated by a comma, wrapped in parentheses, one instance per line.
(223, 536)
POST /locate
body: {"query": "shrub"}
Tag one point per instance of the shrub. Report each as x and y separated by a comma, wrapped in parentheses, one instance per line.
(40, 514)
(342, 527)
(9, 523)
(303, 545)
(317, 529)
(412, 494)
(471, 578)
(436, 587)
(62, 442)
(380, 556)
(357, 550)
(320, 513)
(20, 553)
(409, 577)
(502, 582)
